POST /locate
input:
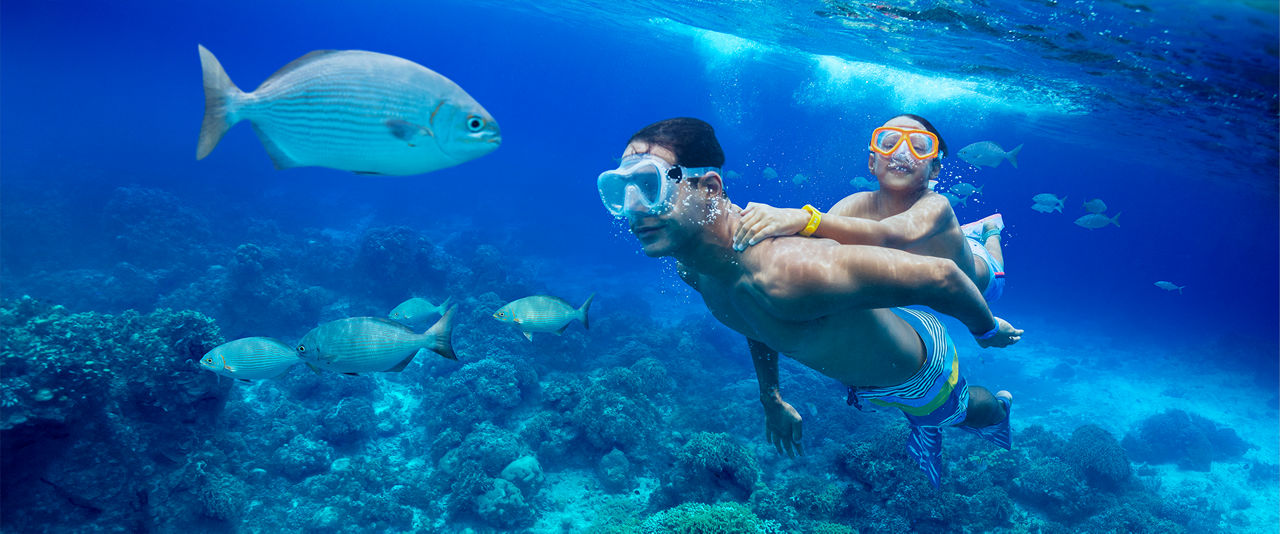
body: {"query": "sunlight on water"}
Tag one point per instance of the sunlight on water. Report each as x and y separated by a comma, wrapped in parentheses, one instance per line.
(838, 82)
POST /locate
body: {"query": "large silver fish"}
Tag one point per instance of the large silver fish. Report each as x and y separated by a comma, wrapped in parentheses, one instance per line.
(989, 154)
(373, 344)
(363, 112)
(416, 311)
(542, 313)
(250, 358)
(1093, 221)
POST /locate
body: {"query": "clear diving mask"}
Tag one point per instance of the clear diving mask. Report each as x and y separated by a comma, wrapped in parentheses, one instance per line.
(643, 181)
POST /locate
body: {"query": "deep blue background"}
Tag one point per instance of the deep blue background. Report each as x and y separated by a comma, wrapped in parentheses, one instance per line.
(101, 95)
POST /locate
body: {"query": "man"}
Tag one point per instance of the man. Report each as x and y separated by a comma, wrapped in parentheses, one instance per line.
(824, 304)
(906, 154)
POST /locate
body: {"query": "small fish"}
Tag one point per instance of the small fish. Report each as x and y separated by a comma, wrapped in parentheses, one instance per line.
(357, 111)
(1051, 200)
(799, 179)
(251, 358)
(989, 154)
(770, 174)
(1169, 286)
(956, 200)
(373, 344)
(965, 189)
(732, 175)
(1046, 208)
(1095, 206)
(416, 311)
(1094, 221)
(542, 313)
(865, 184)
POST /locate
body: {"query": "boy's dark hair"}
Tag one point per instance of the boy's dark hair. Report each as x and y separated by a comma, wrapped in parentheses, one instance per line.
(942, 145)
(693, 141)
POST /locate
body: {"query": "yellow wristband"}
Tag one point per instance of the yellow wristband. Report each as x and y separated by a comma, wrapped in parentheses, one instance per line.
(815, 218)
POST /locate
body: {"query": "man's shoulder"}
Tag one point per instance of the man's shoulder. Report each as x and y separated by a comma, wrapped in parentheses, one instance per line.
(853, 205)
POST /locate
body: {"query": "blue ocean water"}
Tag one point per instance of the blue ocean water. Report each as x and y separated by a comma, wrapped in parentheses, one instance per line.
(1166, 112)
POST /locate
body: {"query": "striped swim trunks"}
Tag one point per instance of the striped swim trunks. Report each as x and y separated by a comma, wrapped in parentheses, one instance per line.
(936, 396)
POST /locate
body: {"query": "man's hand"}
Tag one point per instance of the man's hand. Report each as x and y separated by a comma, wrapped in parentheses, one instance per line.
(782, 426)
(1005, 336)
(760, 221)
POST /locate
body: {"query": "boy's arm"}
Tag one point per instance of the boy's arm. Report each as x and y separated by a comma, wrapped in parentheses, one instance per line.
(802, 279)
(923, 220)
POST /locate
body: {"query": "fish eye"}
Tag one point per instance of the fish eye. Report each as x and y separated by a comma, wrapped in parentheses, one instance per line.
(475, 124)
(302, 348)
(208, 360)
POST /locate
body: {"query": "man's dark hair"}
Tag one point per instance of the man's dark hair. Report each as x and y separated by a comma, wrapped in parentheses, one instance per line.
(693, 141)
(942, 145)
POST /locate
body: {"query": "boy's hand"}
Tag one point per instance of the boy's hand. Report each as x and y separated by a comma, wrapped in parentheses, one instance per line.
(782, 426)
(761, 221)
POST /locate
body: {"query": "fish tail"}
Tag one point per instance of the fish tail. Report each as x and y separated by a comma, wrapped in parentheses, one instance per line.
(220, 96)
(582, 312)
(1012, 155)
(1180, 289)
(444, 305)
(1116, 220)
(442, 334)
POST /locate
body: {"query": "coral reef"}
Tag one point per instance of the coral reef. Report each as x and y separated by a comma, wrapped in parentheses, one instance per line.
(1186, 439)
(1096, 453)
(698, 518)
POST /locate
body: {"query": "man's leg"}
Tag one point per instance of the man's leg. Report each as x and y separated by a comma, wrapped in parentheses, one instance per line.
(988, 416)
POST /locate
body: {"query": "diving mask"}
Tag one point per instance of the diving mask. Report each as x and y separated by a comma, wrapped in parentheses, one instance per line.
(643, 180)
(885, 140)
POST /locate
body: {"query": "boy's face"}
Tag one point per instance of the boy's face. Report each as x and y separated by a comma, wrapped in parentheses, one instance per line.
(902, 171)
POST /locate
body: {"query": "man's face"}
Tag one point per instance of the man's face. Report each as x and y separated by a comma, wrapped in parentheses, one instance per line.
(902, 171)
(666, 233)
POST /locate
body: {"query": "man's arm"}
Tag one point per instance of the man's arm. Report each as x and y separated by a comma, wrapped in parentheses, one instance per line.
(803, 279)
(782, 423)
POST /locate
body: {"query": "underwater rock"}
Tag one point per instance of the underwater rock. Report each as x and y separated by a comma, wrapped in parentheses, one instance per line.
(503, 505)
(525, 473)
(614, 471)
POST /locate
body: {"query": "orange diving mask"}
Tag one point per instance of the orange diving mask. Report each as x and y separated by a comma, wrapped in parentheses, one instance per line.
(886, 140)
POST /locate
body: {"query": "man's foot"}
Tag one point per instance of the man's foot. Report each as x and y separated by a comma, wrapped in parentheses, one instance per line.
(998, 433)
(1006, 399)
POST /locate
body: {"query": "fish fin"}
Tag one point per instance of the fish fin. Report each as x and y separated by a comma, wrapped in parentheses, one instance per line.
(220, 96)
(1012, 156)
(244, 380)
(281, 375)
(403, 363)
(560, 332)
(278, 155)
(582, 312)
(1116, 220)
(406, 131)
(351, 374)
(443, 333)
(527, 335)
(314, 369)
(292, 65)
(444, 305)
(367, 172)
